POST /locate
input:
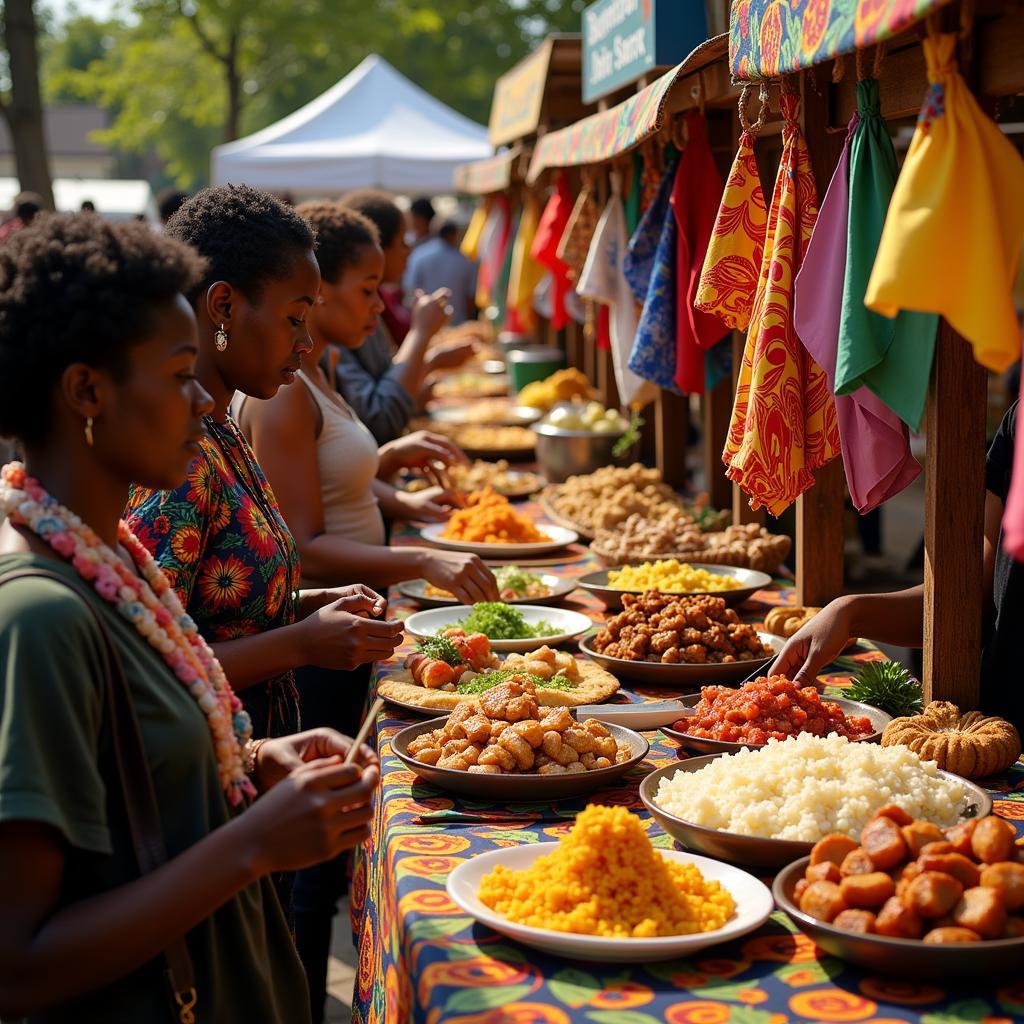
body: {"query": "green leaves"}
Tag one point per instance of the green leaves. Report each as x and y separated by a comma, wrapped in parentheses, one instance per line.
(163, 76)
(467, 1000)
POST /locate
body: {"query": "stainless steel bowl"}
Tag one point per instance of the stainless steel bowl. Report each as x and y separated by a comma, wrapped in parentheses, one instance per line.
(566, 453)
(905, 958)
(756, 851)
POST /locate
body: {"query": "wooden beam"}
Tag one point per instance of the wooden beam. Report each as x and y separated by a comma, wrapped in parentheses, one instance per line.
(819, 537)
(954, 514)
(671, 425)
(819, 511)
(998, 44)
(717, 406)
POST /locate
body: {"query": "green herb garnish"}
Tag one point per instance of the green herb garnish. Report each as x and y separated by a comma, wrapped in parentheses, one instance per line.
(488, 680)
(630, 437)
(889, 686)
(511, 577)
(440, 648)
(500, 621)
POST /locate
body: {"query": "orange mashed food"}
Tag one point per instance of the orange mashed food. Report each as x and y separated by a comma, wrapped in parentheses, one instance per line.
(489, 518)
(606, 879)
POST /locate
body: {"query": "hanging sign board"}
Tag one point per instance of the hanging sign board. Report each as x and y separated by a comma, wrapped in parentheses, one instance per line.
(624, 39)
(519, 96)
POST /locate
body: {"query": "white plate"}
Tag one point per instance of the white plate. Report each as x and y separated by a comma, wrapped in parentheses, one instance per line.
(753, 906)
(569, 624)
(560, 537)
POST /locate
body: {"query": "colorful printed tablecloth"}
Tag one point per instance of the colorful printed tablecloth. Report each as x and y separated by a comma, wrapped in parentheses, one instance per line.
(423, 961)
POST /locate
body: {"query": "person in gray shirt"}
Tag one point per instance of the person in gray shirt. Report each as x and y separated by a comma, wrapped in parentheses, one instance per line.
(438, 263)
(382, 385)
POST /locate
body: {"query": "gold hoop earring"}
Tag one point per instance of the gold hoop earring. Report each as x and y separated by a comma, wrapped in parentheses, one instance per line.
(88, 431)
(220, 339)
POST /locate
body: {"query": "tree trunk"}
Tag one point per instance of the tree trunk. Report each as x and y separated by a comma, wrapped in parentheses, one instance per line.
(234, 85)
(24, 110)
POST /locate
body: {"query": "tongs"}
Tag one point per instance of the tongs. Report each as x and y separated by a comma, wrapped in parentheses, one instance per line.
(650, 715)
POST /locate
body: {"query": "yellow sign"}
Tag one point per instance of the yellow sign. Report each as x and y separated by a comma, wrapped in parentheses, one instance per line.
(518, 97)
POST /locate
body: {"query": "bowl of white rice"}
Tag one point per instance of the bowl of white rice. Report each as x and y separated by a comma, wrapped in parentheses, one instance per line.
(766, 807)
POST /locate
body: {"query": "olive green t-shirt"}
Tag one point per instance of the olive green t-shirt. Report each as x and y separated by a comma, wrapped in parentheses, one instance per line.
(56, 767)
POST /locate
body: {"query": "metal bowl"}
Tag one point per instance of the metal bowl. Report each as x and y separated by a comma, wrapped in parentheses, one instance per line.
(566, 453)
(684, 676)
(879, 720)
(906, 958)
(518, 787)
(750, 579)
(752, 850)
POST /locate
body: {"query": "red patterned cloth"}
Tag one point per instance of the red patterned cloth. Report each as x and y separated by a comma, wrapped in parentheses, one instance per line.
(553, 223)
(784, 420)
(695, 197)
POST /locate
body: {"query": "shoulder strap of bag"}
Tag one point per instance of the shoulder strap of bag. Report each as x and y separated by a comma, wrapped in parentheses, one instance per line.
(136, 783)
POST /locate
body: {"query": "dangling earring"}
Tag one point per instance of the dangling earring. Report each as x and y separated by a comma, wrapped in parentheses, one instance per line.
(88, 431)
(220, 339)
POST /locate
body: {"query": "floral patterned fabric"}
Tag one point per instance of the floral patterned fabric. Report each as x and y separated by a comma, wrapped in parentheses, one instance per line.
(423, 961)
(769, 38)
(234, 570)
(784, 417)
(732, 265)
(650, 269)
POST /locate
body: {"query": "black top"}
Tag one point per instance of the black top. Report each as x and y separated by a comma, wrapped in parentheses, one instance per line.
(1002, 682)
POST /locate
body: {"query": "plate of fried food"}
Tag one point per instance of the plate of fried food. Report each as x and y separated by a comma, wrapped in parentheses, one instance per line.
(515, 585)
(490, 526)
(670, 576)
(607, 497)
(727, 719)
(512, 483)
(488, 412)
(505, 745)
(471, 385)
(453, 667)
(924, 902)
(627, 901)
(664, 640)
(486, 442)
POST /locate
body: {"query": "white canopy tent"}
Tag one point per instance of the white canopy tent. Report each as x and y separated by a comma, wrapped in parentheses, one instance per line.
(374, 129)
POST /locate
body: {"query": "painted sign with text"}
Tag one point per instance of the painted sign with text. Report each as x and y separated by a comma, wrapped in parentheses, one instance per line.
(624, 39)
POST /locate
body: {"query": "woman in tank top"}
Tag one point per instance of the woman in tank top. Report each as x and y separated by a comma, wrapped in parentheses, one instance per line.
(330, 481)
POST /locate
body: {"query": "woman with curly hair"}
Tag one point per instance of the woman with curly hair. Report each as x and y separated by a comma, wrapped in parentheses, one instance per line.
(220, 536)
(330, 478)
(98, 357)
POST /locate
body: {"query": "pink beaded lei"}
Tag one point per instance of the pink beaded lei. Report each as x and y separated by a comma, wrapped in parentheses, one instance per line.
(149, 603)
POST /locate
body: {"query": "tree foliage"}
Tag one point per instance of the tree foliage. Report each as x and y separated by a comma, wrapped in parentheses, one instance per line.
(181, 76)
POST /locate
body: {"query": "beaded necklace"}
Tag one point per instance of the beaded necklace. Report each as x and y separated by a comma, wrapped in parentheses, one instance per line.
(149, 603)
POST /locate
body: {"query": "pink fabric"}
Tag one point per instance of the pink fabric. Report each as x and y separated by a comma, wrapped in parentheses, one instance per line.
(696, 194)
(1013, 513)
(875, 441)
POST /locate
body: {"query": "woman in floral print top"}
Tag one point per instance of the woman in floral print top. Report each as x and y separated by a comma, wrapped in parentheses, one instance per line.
(220, 536)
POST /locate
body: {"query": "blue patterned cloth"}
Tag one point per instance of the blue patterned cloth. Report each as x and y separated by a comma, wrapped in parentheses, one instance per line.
(649, 267)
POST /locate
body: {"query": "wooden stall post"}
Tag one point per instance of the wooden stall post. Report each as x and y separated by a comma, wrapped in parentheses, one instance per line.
(954, 520)
(671, 426)
(717, 406)
(819, 511)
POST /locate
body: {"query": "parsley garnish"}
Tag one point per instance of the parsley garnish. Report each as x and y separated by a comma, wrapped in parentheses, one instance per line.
(440, 648)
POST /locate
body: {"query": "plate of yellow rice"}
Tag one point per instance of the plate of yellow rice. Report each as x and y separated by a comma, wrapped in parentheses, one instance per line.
(604, 893)
(670, 576)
